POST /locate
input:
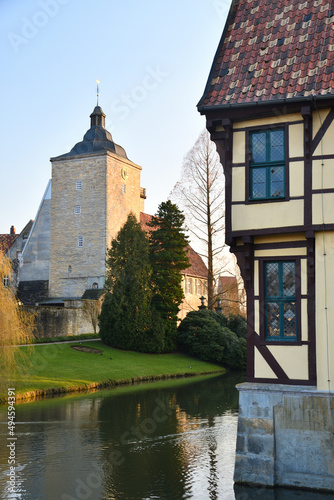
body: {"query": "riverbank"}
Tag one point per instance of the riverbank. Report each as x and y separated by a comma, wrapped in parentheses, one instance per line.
(71, 367)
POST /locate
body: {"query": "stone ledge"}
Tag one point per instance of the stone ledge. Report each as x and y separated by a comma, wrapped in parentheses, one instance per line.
(307, 390)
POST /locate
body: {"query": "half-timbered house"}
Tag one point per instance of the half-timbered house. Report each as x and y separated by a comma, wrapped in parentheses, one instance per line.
(269, 106)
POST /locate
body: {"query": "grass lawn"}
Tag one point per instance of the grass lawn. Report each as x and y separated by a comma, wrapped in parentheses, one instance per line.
(59, 367)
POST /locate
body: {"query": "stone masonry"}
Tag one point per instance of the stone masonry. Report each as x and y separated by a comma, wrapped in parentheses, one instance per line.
(110, 189)
(285, 437)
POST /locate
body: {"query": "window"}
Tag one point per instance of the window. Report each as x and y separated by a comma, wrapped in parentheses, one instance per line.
(189, 285)
(80, 241)
(267, 164)
(78, 185)
(95, 285)
(280, 300)
(123, 188)
(77, 209)
(6, 281)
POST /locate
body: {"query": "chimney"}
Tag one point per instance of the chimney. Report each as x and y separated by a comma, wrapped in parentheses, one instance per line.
(12, 230)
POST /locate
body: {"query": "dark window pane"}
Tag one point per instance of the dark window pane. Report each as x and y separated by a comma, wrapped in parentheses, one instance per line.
(276, 181)
(289, 279)
(259, 183)
(273, 324)
(272, 279)
(290, 319)
(277, 145)
(258, 145)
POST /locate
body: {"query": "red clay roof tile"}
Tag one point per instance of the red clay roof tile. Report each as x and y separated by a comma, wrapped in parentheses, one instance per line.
(287, 41)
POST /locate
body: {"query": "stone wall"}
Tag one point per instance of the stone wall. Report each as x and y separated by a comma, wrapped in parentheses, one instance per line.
(53, 321)
(285, 437)
(30, 292)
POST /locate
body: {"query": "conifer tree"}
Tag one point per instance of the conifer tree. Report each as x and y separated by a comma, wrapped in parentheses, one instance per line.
(127, 320)
(168, 250)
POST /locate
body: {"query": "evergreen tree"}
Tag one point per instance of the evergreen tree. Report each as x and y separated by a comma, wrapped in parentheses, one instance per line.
(126, 319)
(168, 249)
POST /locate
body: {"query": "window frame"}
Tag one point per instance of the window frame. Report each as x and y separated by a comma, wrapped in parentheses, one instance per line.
(80, 240)
(77, 209)
(78, 185)
(250, 165)
(281, 340)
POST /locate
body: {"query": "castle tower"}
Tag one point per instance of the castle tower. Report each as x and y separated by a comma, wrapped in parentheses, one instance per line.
(94, 187)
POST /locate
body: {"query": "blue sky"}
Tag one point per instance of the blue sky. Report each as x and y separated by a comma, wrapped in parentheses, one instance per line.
(152, 58)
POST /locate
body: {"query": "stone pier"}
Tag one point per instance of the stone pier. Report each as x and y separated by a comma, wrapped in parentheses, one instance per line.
(285, 436)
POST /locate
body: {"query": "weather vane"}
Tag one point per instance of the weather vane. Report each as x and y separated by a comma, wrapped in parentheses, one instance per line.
(97, 91)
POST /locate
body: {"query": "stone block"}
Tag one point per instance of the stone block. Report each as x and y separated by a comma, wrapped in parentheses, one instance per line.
(253, 470)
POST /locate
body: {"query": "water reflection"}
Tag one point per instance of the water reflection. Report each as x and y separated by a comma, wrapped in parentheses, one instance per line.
(170, 440)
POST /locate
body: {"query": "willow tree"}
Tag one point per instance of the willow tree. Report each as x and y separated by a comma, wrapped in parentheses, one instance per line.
(16, 326)
(200, 194)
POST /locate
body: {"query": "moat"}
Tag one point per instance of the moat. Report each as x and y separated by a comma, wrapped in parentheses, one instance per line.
(169, 440)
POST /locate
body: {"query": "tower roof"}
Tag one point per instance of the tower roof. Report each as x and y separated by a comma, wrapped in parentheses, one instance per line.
(96, 139)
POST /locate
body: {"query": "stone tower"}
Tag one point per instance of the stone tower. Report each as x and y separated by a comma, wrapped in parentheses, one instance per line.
(94, 187)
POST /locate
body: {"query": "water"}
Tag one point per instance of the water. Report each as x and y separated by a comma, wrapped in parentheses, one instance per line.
(170, 440)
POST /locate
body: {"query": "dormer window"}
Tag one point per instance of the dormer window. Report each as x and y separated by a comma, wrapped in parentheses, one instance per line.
(267, 164)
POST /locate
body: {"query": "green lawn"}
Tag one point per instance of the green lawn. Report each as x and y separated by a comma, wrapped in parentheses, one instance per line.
(58, 366)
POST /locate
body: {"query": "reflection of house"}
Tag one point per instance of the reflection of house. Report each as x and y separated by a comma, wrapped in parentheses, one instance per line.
(194, 278)
(269, 105)
(93, 189)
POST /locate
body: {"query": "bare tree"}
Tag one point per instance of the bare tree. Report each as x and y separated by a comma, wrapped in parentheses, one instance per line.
(200, 194)
(91, 310)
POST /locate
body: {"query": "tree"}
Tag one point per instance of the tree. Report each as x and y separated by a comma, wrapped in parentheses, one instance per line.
(200, 193)
(127, 320)
(91, 310)
(16, 325)
(206, 334)
(168, 250)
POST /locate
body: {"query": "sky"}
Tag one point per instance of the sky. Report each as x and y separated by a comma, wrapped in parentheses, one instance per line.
(152, 58)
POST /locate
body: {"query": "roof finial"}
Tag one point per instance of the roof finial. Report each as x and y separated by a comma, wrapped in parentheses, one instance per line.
(97, 91)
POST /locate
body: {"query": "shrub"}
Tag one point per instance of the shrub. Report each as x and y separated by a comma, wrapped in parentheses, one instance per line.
(238, 325)
(203, 334)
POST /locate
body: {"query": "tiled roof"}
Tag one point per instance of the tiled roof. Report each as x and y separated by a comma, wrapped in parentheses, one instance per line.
(6, 241)
(197, 267)
(144, 220)
(271, 50)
